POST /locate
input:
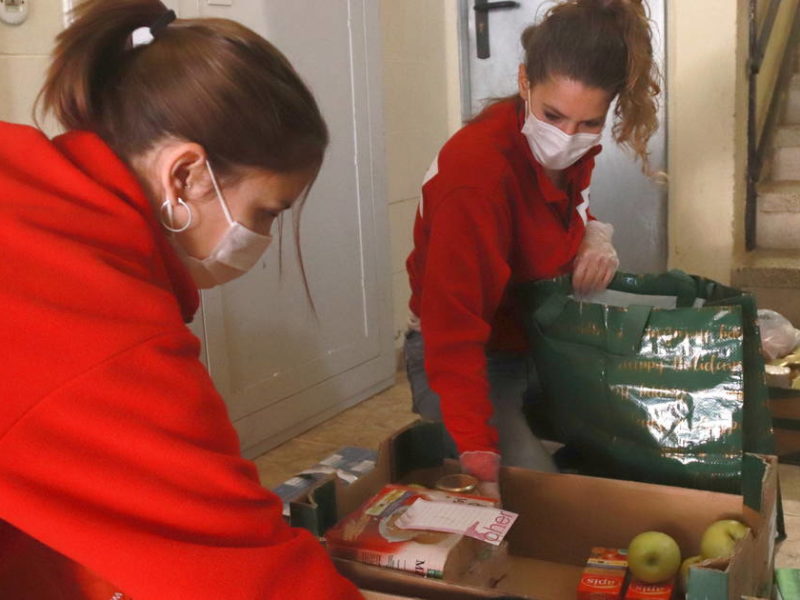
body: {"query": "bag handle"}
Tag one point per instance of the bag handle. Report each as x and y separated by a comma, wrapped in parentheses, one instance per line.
(686, 287)
(634, 323)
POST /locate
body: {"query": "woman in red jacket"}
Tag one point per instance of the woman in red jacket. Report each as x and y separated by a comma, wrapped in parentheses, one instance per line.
(507, 200)
(185, 140)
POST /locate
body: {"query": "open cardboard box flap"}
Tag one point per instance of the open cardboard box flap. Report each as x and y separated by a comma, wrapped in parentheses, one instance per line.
(560, 518)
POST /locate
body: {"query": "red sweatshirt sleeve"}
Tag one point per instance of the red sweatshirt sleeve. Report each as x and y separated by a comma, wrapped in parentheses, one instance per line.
(466, 273)
(137, 476)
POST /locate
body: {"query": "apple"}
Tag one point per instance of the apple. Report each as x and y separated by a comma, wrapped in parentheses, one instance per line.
(685, 566)
(719, 540)
(653, 557)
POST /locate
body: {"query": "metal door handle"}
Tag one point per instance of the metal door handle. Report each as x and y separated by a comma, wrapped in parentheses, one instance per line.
(487, 6)
(482, 8)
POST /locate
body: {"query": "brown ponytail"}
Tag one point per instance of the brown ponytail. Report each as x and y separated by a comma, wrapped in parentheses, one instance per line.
(604, 44)
(210, 81)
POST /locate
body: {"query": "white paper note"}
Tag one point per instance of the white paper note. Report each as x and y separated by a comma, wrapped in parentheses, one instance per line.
(483, 523)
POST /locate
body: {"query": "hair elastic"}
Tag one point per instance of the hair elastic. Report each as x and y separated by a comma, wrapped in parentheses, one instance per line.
(143, 36)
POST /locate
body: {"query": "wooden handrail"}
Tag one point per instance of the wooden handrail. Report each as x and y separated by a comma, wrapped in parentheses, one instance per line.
(760, 47)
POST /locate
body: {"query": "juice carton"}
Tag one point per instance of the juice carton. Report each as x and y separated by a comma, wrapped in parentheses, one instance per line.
(603, 576)
(638, 590)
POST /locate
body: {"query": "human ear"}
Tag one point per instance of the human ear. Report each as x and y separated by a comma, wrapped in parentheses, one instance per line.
(182, 171)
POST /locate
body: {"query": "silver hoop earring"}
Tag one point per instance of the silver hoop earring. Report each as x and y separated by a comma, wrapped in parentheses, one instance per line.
(167, 223)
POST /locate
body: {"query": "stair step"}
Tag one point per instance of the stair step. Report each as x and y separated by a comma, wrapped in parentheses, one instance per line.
(774, 277)
(786, 164)
(778, 230)
(787, 135)
(778, 219)
(779, 196)
(791, 113)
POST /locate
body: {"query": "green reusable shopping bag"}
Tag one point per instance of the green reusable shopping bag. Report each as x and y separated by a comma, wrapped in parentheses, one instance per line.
(658, 379)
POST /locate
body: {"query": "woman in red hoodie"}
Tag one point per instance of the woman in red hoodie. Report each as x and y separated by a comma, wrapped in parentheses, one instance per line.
(185, 140)
(507, 200)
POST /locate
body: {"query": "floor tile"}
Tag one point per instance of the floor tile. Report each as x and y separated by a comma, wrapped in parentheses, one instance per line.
(791, 507)
(790, 481)
(366, 424)
(787, 553)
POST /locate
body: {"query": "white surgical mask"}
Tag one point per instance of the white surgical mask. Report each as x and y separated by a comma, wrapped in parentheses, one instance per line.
(236, 252)
(551, 147)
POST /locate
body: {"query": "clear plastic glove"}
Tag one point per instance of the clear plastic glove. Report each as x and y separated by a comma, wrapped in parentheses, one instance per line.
(485, 467)
(596, 261)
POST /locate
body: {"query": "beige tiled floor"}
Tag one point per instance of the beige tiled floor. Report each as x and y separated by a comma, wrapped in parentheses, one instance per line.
(366, 425)
(373, 420)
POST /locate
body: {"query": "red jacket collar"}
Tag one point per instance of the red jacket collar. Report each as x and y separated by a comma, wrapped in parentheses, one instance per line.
(95, 158)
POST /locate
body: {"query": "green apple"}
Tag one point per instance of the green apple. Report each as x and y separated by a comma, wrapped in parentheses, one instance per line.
(719, 540)
(685, 566)
(653, 557)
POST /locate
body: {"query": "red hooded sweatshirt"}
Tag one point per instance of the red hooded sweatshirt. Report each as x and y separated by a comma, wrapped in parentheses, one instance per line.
(115, 448)
(489, 217)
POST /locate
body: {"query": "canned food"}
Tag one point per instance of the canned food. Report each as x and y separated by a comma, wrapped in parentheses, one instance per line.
(459, 483)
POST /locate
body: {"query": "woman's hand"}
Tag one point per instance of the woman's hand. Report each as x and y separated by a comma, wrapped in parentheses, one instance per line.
(596, 261)
(485, 467)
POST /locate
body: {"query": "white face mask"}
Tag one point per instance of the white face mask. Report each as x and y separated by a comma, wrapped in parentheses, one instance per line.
(553, 148)
(235, 253)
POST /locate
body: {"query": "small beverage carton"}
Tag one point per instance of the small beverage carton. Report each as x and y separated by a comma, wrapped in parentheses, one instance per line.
(638, 590)
(604, 574)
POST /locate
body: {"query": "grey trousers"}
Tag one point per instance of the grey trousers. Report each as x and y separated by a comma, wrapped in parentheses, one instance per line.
(509, 375)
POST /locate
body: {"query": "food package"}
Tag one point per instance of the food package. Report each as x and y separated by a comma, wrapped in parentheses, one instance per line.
(603, 576)
(638, 590)
(371, 535)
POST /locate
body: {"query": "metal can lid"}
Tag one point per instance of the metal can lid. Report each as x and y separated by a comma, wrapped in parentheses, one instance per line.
(457, 482)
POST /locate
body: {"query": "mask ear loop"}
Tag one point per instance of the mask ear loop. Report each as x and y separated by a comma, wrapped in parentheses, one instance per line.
(528, 102)
(218, 191)
(167, 223)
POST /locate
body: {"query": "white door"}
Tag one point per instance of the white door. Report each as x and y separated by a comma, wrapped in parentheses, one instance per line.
(280, 367)
(621, 195)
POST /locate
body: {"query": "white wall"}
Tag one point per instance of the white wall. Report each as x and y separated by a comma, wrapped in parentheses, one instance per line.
(421, 110)
(707, 115)
(24, 56)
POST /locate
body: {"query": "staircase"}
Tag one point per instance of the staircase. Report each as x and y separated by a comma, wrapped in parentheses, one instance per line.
(778, 221)
(772, 270)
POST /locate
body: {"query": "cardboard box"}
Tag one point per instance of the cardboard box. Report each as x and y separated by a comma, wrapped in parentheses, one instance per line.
(784, 405)
(561, 517)
(348, 463)
(370, 595)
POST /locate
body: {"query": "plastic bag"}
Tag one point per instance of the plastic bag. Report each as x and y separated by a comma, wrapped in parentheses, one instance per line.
(778, 335)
